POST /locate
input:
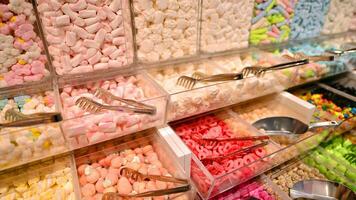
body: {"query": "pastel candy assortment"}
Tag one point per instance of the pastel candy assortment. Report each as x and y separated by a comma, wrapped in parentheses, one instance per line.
(254, 188)
(101, 176)
(84, 35)
(51, 185)
(84, 128)
(212, 126)
(271, 21)
(225, 24)
(309, 18)
(295, 173)
(28, 104)
(21, 51)
(25, 144)
(339, 17)
(165, 29)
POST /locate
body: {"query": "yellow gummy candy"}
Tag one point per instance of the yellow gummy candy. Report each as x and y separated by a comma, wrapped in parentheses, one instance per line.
(1, 24)
(21, 40)
(22, 62)
(46, 144)
(13, 19)
(35, 132)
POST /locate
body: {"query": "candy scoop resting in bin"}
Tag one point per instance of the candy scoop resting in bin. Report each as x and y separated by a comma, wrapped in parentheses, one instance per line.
(289, 127)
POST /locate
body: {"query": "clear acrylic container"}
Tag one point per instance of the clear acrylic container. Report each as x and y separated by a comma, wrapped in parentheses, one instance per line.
(281, 104)
(208, 96)
(210, 183)
(49, 179)
(122, 146)
(82, 128)
(87, 37)
(165, 30)
(23, 58)
(225, 25)
(19, 145)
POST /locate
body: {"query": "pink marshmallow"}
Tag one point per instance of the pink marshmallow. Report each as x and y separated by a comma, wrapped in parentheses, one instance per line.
(80, 5)
(37, 67)
(62, 20)
(68, 11)
(115, 5)
(101, 66)
(36, 77)
(93, 28)
(87, 13)
(71, 38)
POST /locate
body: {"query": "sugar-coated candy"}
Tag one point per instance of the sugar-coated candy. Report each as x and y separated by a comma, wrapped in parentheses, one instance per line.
(211, 126)
(79, 33)
(271, 21)
(165, 29)
(225, 24)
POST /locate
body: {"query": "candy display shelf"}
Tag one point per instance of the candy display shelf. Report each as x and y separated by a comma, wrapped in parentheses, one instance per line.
(65, 56)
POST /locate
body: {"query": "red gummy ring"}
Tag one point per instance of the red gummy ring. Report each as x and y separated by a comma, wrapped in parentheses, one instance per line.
(248, 159)
(260, 152)
(238, 163)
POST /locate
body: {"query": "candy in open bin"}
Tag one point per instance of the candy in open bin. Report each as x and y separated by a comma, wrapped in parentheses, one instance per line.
(131, 165)
(88, 123)
(48, 179)
(219, 162)
(19, 145)
(23, 60)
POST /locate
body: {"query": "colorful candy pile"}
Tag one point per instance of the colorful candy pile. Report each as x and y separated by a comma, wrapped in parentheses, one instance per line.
(308, 20)
(338, 107)
(224, 26)
(21, 50)
(165, 29)
(192, 133)
(19, 144)
(53, 185)
(336, 160)
(247, 190)
(104, 175)
(292, 174)
(271, 21)
(84, 35)
(106, 124)
(28, 104)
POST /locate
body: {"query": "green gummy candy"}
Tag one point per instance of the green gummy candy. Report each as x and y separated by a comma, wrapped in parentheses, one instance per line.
(322, 169)
(347, 143)
(340, 168)
(270, 6)
(330, 176)
(350, 175)
(259, 31)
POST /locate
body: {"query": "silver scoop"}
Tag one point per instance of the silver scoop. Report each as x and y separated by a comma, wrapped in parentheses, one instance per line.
(289, 125)
(321, 190)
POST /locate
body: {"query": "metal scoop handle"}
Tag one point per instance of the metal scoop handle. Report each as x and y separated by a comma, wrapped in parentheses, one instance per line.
(329, 123)
(49, 118)
(222, 77)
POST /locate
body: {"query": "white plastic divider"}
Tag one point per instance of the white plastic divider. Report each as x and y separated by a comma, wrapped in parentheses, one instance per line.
(183, 154)
(301, 107)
